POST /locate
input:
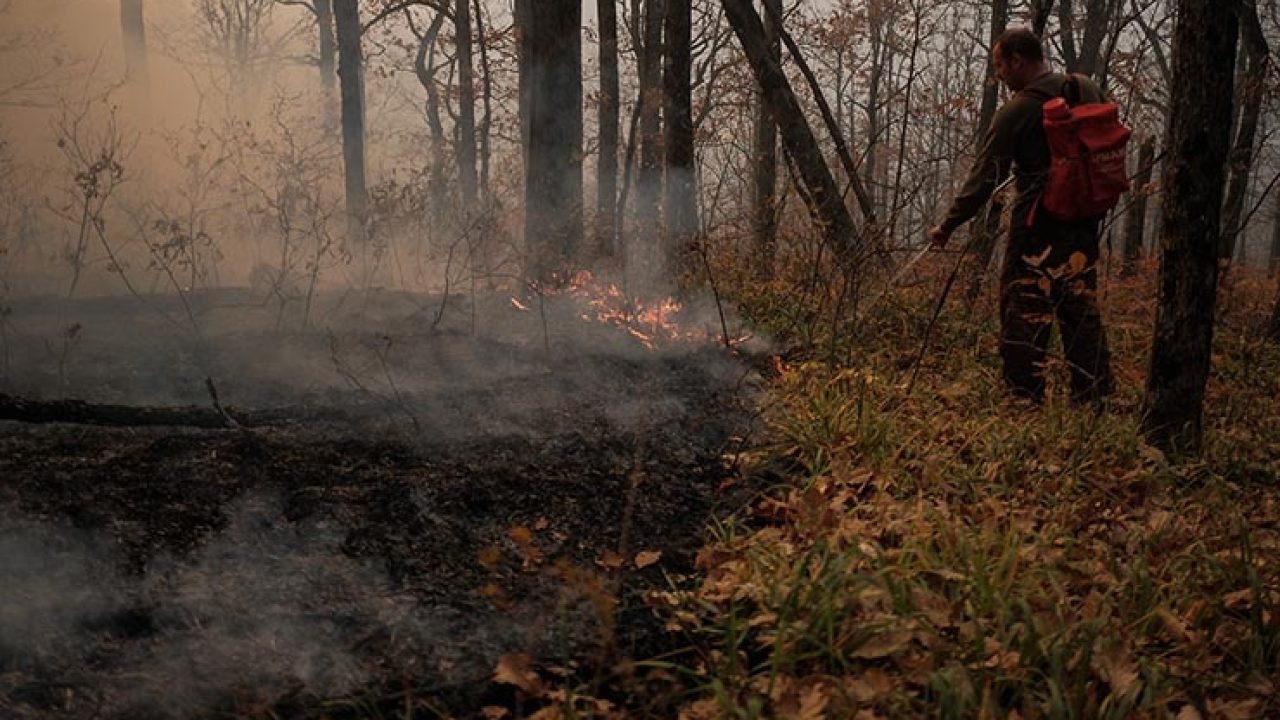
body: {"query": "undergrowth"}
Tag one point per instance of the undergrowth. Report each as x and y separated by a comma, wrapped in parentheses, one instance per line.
(951, 553)
(938, 550)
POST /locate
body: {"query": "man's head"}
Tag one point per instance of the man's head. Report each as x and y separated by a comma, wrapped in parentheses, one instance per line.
(1018, 57)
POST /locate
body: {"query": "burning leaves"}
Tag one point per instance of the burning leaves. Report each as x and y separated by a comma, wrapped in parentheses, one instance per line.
(651, 322)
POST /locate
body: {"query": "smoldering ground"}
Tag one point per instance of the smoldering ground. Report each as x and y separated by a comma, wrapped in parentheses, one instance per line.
(421, 498)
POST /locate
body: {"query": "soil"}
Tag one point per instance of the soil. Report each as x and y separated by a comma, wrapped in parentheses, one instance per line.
(383, 510)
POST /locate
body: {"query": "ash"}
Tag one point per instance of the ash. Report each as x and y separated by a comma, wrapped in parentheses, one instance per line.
(410, 494)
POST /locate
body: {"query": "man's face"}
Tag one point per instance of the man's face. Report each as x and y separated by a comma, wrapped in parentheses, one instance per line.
(1008, 68)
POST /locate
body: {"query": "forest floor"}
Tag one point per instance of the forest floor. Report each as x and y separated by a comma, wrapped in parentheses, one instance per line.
(623, 532)
(940, 550)
(398, 511)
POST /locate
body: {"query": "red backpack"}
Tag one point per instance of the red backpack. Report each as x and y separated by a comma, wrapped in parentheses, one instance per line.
(1087, 141)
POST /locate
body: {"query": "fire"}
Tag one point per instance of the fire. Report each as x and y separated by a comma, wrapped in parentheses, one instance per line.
(649, 322)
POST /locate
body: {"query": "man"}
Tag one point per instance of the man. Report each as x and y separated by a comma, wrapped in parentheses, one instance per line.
(1050, 268)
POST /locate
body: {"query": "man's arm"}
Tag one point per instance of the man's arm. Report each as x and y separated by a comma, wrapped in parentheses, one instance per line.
(989, 168)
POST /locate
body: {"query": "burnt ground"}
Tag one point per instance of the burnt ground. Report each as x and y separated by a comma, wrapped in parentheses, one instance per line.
(402, 503)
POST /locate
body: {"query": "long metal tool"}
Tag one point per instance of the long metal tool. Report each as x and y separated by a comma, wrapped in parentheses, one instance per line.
(916, 257)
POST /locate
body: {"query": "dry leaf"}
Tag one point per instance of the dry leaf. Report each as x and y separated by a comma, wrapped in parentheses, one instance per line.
(882, 646)
(646, 558)
(610, 560)
(1037, 260)
(708, 709)
(1235, 709)
(517, 669)
(550, 712)
(870, 685)
(1189, 712)
(813, 703)
(520, 535)
(494, 712)
(1117, 669)
(490, 558)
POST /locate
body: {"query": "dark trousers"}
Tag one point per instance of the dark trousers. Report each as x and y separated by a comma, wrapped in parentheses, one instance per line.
(1051, 273)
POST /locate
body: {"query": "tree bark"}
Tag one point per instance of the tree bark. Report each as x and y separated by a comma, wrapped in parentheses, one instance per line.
(1198, 136)
(680, 204)
(1253, 78)
(135, 41)
(1040, 11)
(465, 146)
(1097, 20)
(1273, 263)
(764, 176)
(522, 15)
(609, 109)
(1136, 218)
(984, 228)
(486, 123)
(351, 75)
(553, 173)
(820, 190)
(328, 45)
(1273, 329)
(643, 254)
(424, 66)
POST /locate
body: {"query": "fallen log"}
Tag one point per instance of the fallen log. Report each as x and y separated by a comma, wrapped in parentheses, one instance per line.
(80, 412)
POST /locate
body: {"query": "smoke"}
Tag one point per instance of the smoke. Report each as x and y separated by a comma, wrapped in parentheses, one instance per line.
(267, 608)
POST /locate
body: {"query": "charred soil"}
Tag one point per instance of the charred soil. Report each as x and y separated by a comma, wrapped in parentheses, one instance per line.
(353, 546)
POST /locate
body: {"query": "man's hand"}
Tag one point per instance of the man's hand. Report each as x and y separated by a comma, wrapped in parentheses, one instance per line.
(938, 236)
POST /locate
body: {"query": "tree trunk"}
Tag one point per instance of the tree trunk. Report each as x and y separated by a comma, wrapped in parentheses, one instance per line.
(1097, 20)
(1040, 11)
(1136, 219)
(328, 45)
(820, 190)
(135, 41)
(465, 147)
(553, 174)
(764, 205)
(1204, 47)
(522, 15)
(643, 255)
(680, 204)
(1067, 34)
(1273, 329)
(1249, 96)
(881, 55)
(984, 228)
(610, 107)
(351, 75)
(1273, 264)
(424, 66)
(486, 123)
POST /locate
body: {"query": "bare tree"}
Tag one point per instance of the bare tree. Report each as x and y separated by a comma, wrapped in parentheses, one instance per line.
(1255, 62)
(135, 41)
(238, 31)
(1204, 50)
(680, 209)
(985, 227)
(824, 198)
(1136, 215)
(642, 253)
(465, 145)
(609, 109)
(1085, 58)
(764, 225)
(351, 75)
(552, 39)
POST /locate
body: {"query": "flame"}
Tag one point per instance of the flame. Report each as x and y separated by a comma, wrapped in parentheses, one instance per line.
(649, 322)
